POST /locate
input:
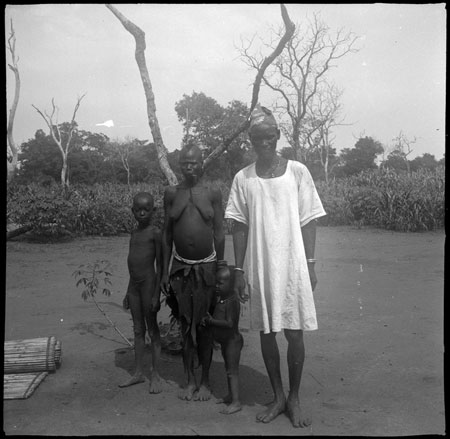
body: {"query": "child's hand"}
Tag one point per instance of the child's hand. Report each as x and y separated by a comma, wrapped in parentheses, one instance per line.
(125, 303)
(206, 320)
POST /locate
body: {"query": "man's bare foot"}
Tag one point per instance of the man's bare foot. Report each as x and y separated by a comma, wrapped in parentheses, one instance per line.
(295, 414)
(203, 393)
(273, 410)
(135, 379)
(156, 384)
(232, 408)
(187, 392)
(225, 400)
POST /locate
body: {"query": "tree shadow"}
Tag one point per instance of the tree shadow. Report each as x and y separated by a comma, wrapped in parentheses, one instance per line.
(254, 386)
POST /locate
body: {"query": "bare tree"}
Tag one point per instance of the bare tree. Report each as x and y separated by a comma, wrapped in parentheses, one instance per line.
(13, 150)
(300, 72)
(402, 147)
(325, 112)
(285, 37)
(64, 146)
(139, 36)
(123, 150)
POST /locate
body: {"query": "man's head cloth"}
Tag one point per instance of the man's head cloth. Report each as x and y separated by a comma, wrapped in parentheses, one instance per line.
(262, 116)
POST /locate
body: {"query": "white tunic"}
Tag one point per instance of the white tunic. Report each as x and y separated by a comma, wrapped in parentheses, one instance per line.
(274, 209)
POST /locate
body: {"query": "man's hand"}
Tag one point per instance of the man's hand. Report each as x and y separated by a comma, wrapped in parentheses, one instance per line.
(239, 286)
(312, 276)
(125, 302)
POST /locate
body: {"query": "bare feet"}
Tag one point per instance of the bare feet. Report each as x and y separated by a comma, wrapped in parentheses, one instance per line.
(203, 393)
(273, 410)
(135, 379)
(232, 408)
(295, 414)
(187, 392)
(156, 384)
(225, 400)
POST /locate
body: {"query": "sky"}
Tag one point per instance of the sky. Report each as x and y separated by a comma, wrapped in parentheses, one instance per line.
(396, 82)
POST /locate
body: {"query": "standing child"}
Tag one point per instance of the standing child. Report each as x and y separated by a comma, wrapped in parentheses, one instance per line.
(225, 324)
(143, 294)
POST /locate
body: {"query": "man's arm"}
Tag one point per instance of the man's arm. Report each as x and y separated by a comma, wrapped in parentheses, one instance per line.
(219, 235)
(309, 242)
(240, 237)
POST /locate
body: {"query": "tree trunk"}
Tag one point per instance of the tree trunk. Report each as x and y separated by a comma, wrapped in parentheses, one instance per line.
(19, 231)
(289, 31)
(12, 166)
(139, 37)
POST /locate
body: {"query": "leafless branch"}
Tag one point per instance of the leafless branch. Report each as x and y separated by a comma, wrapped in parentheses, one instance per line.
(139, 36)
(289, 31)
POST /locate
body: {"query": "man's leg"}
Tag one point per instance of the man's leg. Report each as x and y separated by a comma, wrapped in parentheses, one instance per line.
(271, 357)
(295, 360)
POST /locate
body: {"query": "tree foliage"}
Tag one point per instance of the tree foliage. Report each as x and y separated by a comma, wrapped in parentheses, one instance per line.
(208, 124)
(359, 158)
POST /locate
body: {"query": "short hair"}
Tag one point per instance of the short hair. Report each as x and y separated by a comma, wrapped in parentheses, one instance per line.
(191, 146)
(147, 195)
(230, 268)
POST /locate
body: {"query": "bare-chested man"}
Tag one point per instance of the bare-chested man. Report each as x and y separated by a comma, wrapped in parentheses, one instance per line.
(193, 235)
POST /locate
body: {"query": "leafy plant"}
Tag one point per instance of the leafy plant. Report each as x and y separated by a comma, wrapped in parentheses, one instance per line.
(91, 276)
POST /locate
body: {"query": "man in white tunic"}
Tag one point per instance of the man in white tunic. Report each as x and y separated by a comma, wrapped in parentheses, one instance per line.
(274, 204)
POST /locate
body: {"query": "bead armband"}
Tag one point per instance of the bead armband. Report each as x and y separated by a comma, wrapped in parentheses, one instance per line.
(311, 261)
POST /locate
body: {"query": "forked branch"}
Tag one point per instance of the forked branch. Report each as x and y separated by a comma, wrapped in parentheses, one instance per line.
(289, 32)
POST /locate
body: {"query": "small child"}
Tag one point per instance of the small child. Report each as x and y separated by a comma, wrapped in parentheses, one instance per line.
(143, 293)
(225, 324)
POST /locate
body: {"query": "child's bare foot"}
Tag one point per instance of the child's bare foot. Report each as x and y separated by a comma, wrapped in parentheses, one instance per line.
(135, 379)
(225, 400)
(156, 384)
(232, 408)
(295, 414)
(187, 393)
(273, 410)
(203, 393)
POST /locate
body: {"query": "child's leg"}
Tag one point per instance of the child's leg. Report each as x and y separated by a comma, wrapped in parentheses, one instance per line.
(139, 335)
(232, 355)
(156, 384)
(150, 312)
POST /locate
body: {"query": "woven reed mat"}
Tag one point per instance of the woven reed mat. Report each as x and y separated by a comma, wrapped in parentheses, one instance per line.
(21, 386)
(31, 355)
(27, 363)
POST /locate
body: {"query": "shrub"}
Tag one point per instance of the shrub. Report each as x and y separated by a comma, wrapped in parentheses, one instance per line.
(387, 199)
(379, 198)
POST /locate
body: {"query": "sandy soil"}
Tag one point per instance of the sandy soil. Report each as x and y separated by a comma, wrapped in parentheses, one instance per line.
(375, 366)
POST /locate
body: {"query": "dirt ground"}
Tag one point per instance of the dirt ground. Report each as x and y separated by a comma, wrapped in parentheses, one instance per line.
(374, 367)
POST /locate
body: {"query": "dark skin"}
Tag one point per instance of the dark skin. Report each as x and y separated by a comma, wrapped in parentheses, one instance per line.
(193, 222)
(225, 323)
(268, 165)
(143, 294)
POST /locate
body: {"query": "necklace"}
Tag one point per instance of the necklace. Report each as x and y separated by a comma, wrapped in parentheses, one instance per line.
(270, 172)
